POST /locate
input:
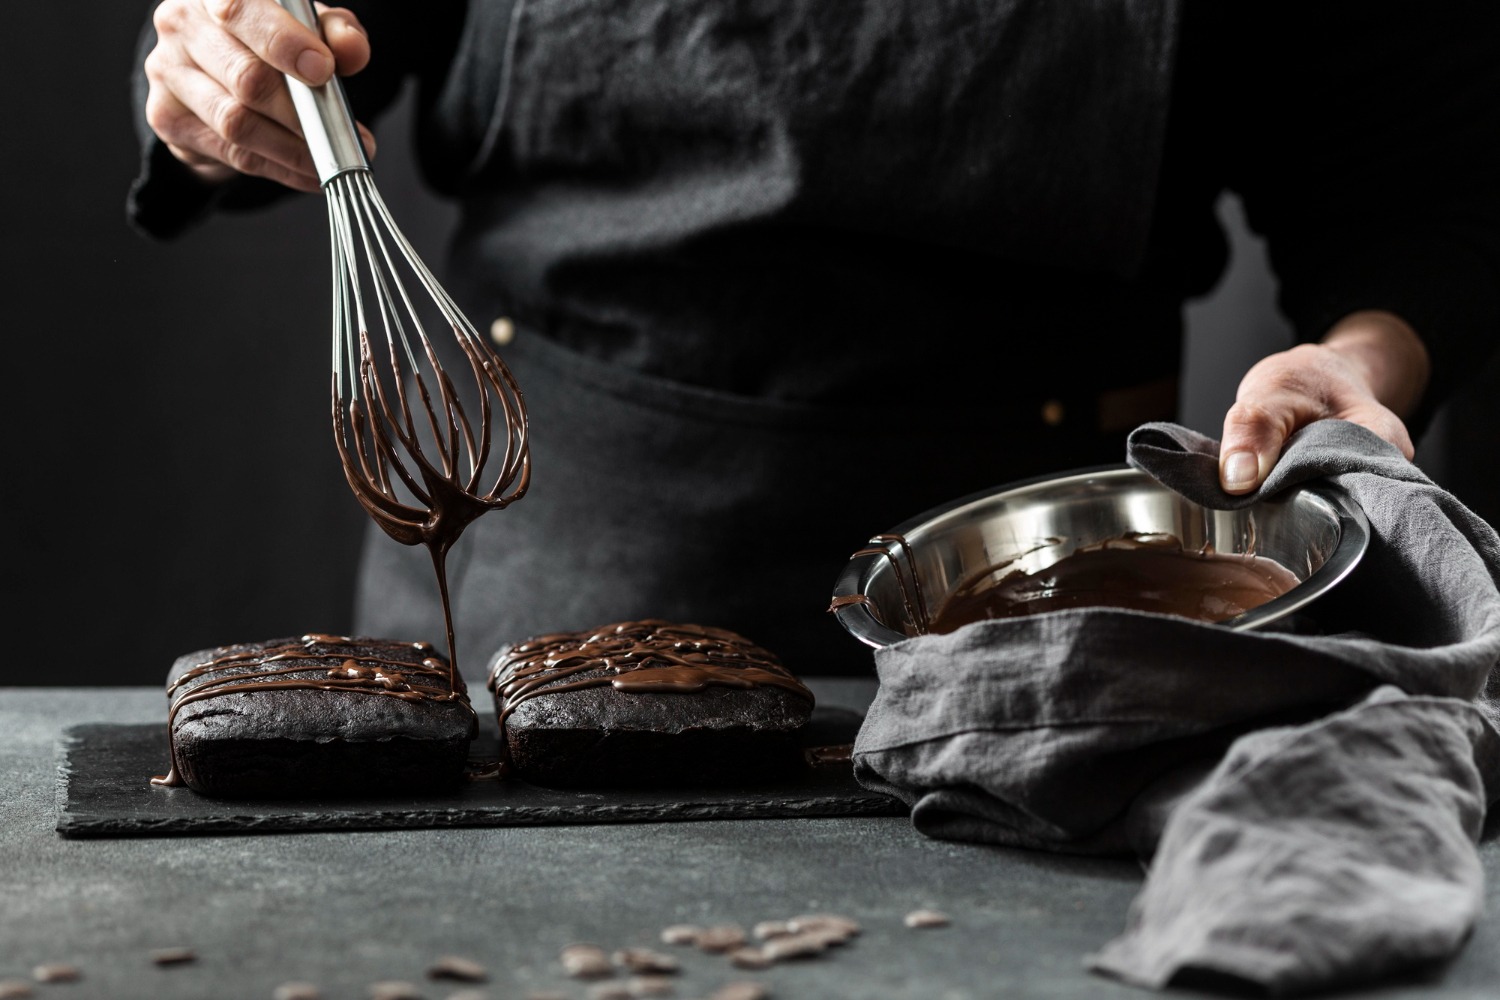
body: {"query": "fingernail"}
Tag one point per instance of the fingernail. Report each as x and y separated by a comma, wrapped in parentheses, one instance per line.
(1240, 470)
(313, 65)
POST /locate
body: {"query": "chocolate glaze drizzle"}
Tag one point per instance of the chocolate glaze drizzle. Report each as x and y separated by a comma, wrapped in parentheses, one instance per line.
(646, 656)
(1144, 572)
(411, 671)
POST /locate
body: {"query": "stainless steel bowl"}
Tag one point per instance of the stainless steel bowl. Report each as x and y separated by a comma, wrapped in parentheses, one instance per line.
(1318, 533)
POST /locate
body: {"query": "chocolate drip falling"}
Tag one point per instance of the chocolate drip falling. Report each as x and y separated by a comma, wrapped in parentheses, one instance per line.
(645, 656)
(315, 662)
(381, 438)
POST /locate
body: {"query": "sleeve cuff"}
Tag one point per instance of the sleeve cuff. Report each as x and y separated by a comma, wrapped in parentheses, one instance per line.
(1446, 293)
(167, 198)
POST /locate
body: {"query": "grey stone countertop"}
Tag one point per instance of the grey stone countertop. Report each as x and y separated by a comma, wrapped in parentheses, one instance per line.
(343, 910)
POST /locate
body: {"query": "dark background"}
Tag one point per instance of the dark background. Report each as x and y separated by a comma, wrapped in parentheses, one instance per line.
(170, 478)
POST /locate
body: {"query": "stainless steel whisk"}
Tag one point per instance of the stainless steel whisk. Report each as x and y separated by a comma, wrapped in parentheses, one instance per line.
(478, 464)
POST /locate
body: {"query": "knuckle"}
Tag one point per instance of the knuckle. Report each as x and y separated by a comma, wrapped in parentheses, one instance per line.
(1278, 373)
(341, 15)
(284, 41)
(1250, 414)
(225, 11)
(252, 81)
(211, 147)
(300, 160)
(1307, 366)
(160, 116)
(234, 121)
(242, 159)
(153, 66)
(1393, 429)
(166, 17)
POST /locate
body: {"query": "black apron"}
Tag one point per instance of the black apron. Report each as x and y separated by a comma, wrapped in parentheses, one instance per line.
(775, 266)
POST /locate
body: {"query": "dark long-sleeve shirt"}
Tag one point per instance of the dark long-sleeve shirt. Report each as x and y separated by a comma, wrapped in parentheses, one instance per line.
(786, 237)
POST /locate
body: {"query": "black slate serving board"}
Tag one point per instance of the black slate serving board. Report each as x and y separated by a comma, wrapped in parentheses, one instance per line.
(104, 791)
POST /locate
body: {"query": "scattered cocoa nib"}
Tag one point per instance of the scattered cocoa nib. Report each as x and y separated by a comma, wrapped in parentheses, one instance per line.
(56, 972)
(750, 958)
(645, 960)
(681, 934)
(586, 961)
(296, 991)
(14, 989)
(459, 969)
(394, 989)
(824, 922)
(721, 938)
(767, 929)
(650, 986)
(610, 991)
(795, 946)
(742, 990)
(927, 918)
(173, 956)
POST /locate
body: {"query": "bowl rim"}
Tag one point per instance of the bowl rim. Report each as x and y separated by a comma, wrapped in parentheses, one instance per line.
(1354, 540)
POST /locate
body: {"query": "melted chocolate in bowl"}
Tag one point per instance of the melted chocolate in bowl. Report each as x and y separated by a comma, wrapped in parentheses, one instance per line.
(1138, 572)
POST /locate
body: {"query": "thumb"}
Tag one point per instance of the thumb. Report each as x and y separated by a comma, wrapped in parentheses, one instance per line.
(1250, 445)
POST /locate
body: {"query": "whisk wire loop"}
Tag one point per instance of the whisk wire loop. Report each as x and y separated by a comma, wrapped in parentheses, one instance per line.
(376, 426)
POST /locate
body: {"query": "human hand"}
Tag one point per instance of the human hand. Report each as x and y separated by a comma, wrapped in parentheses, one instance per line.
(217, 97)
(1370, 369)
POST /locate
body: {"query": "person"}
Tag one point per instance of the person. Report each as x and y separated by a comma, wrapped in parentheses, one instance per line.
(784, 274)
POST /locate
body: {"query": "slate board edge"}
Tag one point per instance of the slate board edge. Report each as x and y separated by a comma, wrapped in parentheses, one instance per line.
(66, 744)
(75, 825)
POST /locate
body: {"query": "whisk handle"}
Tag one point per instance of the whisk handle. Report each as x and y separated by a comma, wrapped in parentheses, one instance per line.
(324, 112)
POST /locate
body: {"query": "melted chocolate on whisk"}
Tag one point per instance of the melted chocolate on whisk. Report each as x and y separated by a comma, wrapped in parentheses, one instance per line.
(447, 502)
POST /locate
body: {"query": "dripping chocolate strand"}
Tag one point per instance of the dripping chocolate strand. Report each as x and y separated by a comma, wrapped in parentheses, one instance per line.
(846, 600)
(383, 431)
(923, 620)
(912, 597)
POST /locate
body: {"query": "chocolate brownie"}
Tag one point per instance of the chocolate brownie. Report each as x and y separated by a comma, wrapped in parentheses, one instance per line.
(316, 715)
(647, 702)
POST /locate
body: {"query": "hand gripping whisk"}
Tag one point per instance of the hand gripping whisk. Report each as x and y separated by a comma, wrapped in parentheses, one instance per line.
(423, 468)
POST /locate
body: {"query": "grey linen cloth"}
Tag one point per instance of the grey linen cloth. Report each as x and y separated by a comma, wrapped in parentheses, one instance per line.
(1310, 798)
